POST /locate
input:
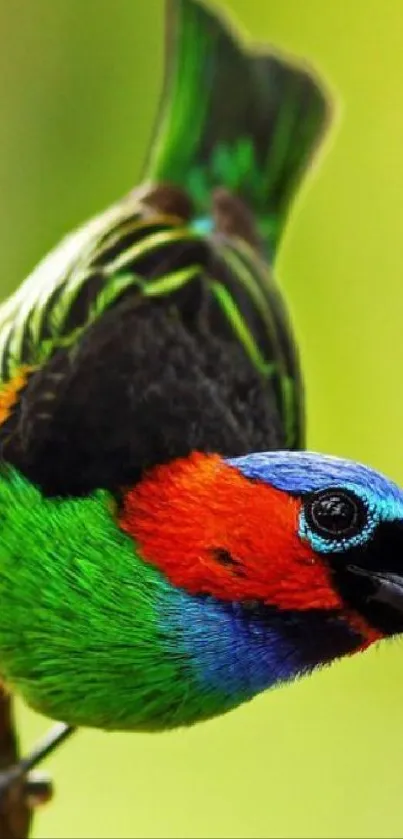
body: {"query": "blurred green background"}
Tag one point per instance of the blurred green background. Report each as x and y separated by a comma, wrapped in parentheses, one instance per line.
(79, 85)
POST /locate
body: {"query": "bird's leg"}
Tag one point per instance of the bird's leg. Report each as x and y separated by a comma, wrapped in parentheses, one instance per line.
(38, 788)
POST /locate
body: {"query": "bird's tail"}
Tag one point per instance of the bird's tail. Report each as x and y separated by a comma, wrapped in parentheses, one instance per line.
(233, 118)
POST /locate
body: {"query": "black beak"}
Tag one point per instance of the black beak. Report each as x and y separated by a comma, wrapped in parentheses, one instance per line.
(384, 587)
(370, 580)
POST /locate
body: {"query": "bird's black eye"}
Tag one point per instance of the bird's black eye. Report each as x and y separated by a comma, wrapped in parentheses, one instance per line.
(335, 514)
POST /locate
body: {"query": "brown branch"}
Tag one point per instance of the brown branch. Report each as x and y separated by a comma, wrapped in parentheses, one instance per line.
(15, 815)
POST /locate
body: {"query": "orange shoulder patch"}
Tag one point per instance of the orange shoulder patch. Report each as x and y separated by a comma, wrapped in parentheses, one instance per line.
(10, 392)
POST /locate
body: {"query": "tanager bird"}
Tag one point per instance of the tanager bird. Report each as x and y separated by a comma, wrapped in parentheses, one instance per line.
(168, 548)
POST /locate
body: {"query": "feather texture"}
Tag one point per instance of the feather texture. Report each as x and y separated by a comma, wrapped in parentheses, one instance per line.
(91, 634)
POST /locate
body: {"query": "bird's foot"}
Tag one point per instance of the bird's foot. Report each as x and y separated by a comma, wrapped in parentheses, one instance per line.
(38, 788)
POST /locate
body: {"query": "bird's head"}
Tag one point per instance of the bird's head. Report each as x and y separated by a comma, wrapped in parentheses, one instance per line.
(296, 532)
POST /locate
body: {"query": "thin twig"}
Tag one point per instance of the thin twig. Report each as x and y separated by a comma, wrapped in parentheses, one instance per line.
(15, 815)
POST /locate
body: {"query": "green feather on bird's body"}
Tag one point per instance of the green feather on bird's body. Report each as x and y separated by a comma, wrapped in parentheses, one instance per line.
(78, 549)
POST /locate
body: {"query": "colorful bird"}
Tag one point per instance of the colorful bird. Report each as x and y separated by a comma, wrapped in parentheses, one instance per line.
(167, 549)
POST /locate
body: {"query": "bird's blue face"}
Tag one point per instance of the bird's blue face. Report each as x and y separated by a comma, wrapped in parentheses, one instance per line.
(352, 517)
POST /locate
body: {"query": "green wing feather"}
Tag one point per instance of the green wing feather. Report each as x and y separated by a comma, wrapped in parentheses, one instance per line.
(85, 276)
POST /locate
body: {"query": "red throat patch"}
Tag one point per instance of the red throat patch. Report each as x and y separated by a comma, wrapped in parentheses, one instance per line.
(213, 531)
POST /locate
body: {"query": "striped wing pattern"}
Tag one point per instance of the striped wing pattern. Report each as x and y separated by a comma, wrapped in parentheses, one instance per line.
(132, 249)
(83, 277)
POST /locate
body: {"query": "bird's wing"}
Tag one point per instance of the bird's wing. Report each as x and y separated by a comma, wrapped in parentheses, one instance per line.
(85, 275)
(152, 346)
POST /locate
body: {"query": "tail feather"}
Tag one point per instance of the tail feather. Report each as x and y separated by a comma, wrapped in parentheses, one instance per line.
(234, 118)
